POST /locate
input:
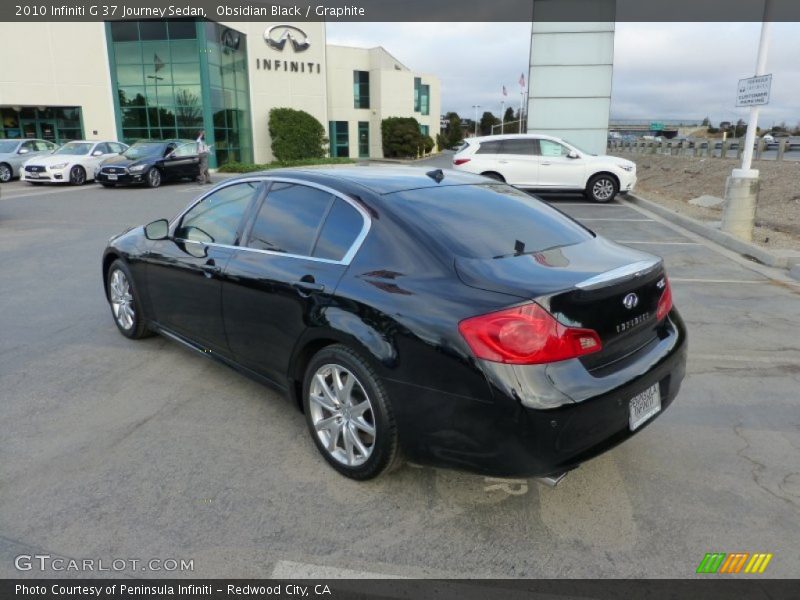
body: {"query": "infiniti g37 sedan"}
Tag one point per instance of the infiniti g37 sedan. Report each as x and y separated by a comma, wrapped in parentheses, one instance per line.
(14, 153)
(439, 317)
(151, 163)
(74, 162)
(546, 163)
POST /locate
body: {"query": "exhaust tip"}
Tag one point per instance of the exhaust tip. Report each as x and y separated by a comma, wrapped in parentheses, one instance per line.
(551, 480)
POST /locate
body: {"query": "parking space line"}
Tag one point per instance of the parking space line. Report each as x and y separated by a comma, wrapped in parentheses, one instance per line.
(39, 193)
(616, 220)
(748, 359)
(595, 204)
(690, 280)
(668, 243)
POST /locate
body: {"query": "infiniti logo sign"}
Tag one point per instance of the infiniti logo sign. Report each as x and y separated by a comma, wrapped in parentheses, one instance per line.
(277, 35)
(630, 301)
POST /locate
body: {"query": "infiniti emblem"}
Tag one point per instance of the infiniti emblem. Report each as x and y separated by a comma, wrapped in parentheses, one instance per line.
(630, 301)
(277, 35)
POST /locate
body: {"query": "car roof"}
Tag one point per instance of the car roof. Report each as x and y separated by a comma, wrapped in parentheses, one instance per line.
(377, 179)
(169, 141)
(511, 136)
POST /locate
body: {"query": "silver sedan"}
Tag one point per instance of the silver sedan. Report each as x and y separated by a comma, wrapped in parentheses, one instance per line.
(15, 152)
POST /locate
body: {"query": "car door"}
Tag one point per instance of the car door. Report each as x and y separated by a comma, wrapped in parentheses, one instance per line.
(184, 273)
(99, 153)
(183, 161)
(557, 169)
(519, 160)
(297, 249)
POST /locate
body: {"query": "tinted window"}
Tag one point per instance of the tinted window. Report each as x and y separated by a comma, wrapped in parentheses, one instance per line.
(526, 146)
(186, 150)
(289, 219)
(116, 147)
(489, 148)
(29, 146)
(551, 148)
(341, 229)
(216, 218)
(490, 220)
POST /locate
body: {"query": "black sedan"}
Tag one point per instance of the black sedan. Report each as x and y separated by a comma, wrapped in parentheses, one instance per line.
(440, 317)
(151, 163)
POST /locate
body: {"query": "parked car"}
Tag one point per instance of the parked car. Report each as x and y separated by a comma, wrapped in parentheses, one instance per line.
(441, 317)
(546, 163)
(151, 163)
(13, 153)
(74, 162)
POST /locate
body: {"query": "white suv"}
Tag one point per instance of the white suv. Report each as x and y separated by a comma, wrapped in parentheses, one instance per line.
(546, 163)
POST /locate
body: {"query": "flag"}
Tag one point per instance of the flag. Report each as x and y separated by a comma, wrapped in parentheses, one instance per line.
(522, 80)
(157, 63)
(505, 91)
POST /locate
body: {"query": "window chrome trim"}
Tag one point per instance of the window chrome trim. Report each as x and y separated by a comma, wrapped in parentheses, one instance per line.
(619, 274)
(345, 260)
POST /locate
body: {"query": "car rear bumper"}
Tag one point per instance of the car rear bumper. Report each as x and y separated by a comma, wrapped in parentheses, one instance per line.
(508, 438)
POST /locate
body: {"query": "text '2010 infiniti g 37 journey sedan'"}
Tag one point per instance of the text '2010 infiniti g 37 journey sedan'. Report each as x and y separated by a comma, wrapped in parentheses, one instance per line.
(440, 317)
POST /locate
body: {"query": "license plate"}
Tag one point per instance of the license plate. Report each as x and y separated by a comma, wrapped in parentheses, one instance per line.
(32, 175)
(644, 406)
(112, 177)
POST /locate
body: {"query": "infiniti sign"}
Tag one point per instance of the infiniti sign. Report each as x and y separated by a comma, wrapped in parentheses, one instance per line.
(277, 35)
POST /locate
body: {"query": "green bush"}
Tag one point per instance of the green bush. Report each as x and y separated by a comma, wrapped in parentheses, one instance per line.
(296, 135)
(428, 143)
(401, 137)
(234, 167)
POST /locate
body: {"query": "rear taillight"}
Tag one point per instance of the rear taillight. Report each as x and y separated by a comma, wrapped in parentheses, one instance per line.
(665, 302)
(526, 335)
(460, 161)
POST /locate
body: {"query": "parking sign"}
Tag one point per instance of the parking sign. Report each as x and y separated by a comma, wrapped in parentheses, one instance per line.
(754, 91)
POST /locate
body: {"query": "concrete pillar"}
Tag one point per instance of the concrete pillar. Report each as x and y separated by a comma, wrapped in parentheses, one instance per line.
(697, 148)
(741, 196)
(760, 148)
(782, 148)
(724, 150)
(740, 149)
(711, 144)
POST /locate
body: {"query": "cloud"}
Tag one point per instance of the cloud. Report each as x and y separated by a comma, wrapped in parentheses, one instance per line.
(661, 70)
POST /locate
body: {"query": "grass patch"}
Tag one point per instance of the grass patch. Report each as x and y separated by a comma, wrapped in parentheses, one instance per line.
(234, 167)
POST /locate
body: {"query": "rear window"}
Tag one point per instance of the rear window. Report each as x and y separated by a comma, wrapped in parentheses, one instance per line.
(488, 221)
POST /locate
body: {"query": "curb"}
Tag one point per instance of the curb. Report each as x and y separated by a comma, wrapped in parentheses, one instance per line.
(766, 257)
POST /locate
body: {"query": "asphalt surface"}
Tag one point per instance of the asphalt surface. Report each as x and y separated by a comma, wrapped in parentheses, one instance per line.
(114, 449)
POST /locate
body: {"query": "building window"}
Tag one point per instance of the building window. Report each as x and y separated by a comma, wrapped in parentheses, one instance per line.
(56, 124)
(422, 97)
(417, 86)
(424, 129)
(361, 89)
(339, 139)
(363, 139)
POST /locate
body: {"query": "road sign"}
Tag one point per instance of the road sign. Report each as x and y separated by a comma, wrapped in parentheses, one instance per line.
(656, 126)
(754, 91)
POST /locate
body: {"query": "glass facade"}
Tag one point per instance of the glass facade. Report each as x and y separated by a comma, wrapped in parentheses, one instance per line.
(361, 89)
(55, 124)
(339, 139)
(167, 87)
(422, 97)
(363, 139)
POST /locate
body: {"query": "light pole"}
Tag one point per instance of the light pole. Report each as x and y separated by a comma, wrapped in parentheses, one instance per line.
(476, 107)
(741, 189)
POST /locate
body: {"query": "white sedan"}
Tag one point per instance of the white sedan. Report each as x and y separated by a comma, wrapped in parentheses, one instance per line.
(546, 163)
(73, 163)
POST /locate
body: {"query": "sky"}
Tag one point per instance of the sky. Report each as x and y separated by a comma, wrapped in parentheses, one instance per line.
(661, 70)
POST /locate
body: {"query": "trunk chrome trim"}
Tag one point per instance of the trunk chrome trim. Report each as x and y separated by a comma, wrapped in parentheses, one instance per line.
(622, 273)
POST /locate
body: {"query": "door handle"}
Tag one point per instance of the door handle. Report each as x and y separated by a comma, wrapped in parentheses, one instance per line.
(503, 162)
(306, 288)
(210, 268)
(545, 164)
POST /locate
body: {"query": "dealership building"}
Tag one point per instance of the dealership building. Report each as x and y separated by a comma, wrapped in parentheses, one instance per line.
(130, 80)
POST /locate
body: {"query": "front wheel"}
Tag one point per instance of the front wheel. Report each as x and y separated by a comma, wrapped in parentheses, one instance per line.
(349, 414)
(602, 188)
(124, 301)
(153, 178)
(77, 175)
(5, 173)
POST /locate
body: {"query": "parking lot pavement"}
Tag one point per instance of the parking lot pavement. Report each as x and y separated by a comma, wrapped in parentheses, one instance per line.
(119, 449)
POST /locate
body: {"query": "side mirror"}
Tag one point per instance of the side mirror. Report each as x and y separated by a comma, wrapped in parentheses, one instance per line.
(97, 153)
(23, 151)
(157, 230)
(573, 154)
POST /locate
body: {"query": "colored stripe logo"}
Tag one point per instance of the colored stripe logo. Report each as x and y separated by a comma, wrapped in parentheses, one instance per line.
(733, 563)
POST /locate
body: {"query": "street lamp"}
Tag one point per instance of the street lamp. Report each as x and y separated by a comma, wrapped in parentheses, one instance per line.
(476, 107)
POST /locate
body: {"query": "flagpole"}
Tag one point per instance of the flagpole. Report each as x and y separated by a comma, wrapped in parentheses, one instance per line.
(502, 115)
(521, 100)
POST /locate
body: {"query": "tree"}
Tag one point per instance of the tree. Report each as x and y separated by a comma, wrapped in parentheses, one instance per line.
(509, 115)
(296, 135)
(454, 131)
(706, 122)
(402, 138)
(486, 123)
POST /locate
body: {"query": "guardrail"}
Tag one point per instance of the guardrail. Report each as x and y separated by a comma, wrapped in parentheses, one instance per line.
(700, 148)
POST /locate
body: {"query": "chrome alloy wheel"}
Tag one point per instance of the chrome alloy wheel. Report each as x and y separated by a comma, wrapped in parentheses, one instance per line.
(603, 189)
(342, 415)
(154, 177)
(5, 173)
(121, 299)
(77, 176)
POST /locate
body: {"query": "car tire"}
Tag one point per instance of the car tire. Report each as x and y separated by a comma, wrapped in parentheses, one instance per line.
(495, 176)
(77, 175)
(153, 178)
(125, 303)
(602, 188)
(354, 431)
(6, 173)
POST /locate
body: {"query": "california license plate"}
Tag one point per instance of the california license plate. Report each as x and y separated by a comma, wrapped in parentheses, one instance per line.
(112, 177)
(32, 175)
(644, 406)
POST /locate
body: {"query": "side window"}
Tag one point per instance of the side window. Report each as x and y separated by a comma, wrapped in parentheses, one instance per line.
(289, 219)
(29, 146)
(116, 148)
(186, 150)
(340, 230)
(551, 148)
(102, 148)
(524, 146)
(217, 217)
(168, 149)
(488, 148)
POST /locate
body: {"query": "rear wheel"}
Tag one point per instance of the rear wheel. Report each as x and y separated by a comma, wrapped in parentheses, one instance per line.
(153, 178)
(5, 173)
(493, 175)
(349, 414)
(602, 188)
(123, 298)
(77, 175)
